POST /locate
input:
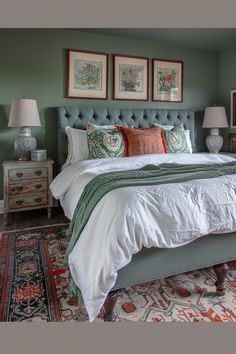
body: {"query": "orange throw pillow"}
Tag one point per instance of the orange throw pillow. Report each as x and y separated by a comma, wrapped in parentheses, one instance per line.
(143, 141)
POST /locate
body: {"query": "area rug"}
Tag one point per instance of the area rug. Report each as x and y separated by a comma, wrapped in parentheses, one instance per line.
(34, 287)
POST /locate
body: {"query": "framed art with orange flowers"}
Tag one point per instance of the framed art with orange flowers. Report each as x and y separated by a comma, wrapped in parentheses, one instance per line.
(167, 80)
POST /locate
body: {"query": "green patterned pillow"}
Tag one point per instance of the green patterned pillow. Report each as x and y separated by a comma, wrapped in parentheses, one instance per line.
(175, 140)
(104, 142)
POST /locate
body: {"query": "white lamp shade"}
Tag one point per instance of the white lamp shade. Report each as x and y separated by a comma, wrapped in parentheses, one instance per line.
(215, 117)
(24, 113)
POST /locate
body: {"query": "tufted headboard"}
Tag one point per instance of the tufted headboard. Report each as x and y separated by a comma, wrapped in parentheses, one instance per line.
(77, 117)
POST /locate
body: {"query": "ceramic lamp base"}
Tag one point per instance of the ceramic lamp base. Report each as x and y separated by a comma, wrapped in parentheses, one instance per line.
(24, 143)
(214, 141)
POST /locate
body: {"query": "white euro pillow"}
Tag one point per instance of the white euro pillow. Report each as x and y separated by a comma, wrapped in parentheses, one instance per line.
(77, 146)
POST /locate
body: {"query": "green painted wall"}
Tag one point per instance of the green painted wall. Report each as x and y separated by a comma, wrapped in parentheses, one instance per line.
(33, 64)
(227, 81)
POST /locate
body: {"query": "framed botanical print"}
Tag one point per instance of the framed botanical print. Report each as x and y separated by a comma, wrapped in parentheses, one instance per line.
(233, 108)
(87, 74)
(167, 80)
(130, 78)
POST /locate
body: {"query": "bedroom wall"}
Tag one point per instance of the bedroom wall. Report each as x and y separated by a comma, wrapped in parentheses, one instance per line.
(33, 64)
(227, 81)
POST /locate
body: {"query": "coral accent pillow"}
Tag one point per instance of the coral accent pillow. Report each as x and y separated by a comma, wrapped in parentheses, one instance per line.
(143, 141)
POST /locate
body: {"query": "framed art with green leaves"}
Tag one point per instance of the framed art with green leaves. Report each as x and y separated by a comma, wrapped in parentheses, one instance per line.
(167, 80)
(130, 78)
(87, 74)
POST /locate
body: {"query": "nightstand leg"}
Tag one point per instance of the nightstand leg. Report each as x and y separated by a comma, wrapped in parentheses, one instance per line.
(8, 218)
(49, 212)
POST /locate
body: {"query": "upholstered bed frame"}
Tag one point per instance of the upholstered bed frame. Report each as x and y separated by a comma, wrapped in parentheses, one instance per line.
(154, 263)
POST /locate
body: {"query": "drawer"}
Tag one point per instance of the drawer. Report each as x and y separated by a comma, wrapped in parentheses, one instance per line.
(28, 201)
(26, 188)
(20, 174)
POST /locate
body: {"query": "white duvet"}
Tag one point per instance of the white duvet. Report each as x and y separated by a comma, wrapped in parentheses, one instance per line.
(129, 218)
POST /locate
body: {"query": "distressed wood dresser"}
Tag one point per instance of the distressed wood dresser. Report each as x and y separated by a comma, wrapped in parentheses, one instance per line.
(26, 186)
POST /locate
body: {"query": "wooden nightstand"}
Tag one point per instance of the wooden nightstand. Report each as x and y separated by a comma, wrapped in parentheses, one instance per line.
(26, 186)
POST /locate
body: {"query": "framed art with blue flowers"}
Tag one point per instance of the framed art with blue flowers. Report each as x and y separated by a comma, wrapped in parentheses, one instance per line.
(87, 74)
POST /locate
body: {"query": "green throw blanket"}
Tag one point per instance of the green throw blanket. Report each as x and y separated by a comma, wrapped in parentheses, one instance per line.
(146, 176)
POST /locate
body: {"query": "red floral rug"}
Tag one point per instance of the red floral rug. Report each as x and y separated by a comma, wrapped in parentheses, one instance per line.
(33, 287)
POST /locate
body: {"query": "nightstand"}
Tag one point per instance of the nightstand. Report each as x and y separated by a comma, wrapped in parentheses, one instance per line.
(26, 186)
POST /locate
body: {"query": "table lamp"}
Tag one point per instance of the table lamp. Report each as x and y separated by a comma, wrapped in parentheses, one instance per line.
(24, 114)
(214, 118)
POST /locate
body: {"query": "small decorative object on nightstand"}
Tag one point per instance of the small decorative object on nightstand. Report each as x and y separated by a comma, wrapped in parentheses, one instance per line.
(24, 114)
(26, 186)
(214, 118)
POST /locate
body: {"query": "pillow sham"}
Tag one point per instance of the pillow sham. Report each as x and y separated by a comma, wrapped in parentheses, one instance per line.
(175, 140)
(104, 142)
(143, 141)
(187, 133)
(77, 146)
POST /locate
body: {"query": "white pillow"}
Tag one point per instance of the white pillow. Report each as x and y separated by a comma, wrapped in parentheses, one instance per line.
(78, 144)
(187, 134)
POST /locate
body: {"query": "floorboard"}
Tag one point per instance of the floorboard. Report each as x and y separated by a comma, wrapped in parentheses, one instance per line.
(34, 218)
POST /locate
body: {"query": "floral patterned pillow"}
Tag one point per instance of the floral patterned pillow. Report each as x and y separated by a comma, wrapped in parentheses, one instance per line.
(175, 140)
(104, 143)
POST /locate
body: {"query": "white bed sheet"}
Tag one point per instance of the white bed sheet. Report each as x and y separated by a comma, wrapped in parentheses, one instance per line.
(129, 218)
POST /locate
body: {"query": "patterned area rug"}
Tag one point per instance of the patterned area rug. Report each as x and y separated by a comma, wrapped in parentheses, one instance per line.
(33, 287)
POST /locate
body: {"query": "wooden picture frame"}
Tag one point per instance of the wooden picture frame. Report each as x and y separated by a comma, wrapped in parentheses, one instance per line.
(232, 143)
(233, 108)
(87, 74)
(167, 80)
(130, 77)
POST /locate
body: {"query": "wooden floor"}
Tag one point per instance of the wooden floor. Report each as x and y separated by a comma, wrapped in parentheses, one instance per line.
(27, 219)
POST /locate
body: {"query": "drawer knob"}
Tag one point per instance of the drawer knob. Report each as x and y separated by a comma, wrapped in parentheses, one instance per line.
(19, 202)
(38, 200)
(19, 189)
(38, 186)
(38, 173)
(19, 174)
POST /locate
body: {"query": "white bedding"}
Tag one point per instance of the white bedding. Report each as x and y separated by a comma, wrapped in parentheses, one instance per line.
(128, 218)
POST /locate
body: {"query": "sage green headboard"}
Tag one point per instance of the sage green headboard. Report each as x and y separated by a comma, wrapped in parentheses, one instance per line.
(77, 117)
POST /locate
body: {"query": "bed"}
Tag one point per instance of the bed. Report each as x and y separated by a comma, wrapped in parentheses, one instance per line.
(152, 263)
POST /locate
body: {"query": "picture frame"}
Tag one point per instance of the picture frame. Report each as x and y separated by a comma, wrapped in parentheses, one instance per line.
(130, 78)
(167, 80)
(233, 108)
(232, 143)
(87, 75)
